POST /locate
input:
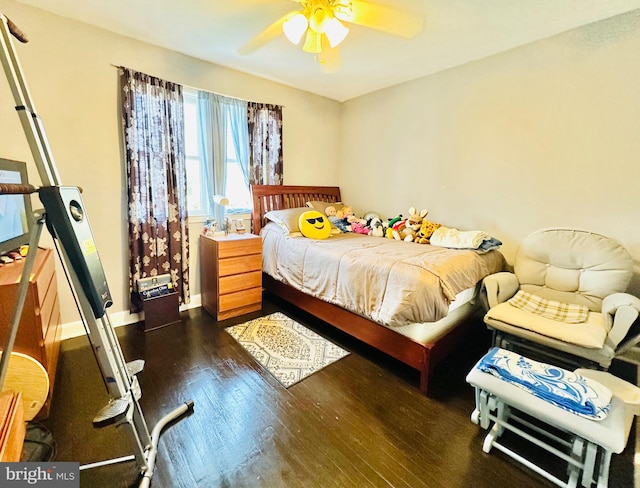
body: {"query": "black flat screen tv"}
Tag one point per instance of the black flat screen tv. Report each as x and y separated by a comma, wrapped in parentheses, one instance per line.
(16, 215)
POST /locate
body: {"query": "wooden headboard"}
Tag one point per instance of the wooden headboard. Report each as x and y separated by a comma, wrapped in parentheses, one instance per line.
(278, 197)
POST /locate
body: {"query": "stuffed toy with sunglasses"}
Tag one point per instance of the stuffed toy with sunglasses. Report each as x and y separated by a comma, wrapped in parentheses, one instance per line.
(314, 225)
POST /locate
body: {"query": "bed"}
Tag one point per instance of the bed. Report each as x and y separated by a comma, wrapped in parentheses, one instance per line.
(420, 339)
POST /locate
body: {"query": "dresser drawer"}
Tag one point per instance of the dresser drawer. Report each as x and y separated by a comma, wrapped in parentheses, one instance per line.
(240, 299)
(49, 358)
(229, 284)
(44, 279)
(49, 302)
(239, 247)
(240, 264)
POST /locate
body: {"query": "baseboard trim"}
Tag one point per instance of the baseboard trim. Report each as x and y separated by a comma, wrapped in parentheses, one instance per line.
(118, 319)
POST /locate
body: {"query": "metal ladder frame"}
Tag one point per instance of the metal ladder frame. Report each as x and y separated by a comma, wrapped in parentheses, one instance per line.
(119, 376)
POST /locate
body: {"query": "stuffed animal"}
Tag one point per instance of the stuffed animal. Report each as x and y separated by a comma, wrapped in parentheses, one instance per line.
(394, 221)
(359, 228)
(412, 225)
(426, 231)
(376, 227)
(408, 230)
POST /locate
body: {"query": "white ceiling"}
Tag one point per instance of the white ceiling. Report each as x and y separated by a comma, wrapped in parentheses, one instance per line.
(455, 32)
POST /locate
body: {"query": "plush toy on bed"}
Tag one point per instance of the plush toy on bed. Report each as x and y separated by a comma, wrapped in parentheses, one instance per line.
(393, 222)
(344, 211)
(374, 224)
(413, 223)
(330, 211)
(408, 230)
(314, 225)
(376, 227)
(358, 225)
(426, 231)
(338, 222)
(359, 228)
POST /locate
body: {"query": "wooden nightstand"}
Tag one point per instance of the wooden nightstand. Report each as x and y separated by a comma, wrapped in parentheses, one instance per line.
(231, 274)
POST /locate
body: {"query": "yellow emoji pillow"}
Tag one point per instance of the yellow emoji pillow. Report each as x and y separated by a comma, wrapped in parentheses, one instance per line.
(314, 225)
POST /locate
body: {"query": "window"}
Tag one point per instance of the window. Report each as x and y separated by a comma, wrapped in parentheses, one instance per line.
(197, 201)
(236, 189)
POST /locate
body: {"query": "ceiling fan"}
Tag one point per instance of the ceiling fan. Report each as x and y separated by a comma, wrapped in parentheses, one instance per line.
(322, 25)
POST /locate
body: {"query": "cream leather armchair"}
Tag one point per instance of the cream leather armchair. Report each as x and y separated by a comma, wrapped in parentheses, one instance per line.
(574, 267)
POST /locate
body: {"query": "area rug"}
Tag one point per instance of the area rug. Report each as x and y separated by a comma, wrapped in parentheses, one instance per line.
(287, 349)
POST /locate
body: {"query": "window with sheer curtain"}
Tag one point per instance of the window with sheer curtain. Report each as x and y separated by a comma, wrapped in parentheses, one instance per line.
(218, 141)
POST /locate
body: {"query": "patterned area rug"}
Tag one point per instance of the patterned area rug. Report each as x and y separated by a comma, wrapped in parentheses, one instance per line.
(288, 350)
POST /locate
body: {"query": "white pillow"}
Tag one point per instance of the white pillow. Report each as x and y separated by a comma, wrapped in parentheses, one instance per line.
(287, 219)
(322, 206)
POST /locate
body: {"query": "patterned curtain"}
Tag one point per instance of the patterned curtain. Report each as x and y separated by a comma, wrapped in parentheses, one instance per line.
(265, 143)
(153, 124)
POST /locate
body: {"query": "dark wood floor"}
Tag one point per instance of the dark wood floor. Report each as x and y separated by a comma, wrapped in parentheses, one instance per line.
(360, 422)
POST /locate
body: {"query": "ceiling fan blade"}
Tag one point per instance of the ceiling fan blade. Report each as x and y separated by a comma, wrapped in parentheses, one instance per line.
(381, 17)
(267, 35)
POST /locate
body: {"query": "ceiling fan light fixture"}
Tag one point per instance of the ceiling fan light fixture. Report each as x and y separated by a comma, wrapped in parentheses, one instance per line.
(335, 31)
(295, 27)
(313, 42)
(318, 15)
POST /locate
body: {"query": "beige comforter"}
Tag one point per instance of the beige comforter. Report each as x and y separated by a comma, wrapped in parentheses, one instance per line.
(390, 282)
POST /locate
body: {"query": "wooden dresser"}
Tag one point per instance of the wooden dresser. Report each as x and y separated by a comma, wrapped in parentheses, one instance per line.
(231, 274)
(39, 332)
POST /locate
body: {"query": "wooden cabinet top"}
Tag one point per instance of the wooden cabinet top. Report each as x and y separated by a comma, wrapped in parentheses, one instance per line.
(232, 245)
(12, 272)
(231, 237)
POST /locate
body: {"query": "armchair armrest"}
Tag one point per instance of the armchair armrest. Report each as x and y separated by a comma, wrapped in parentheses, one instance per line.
(499, 287)
(622, 310)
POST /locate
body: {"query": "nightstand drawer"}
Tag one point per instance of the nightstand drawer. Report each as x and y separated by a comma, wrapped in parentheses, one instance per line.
(239, 247)
(240, 299)
(241, 264)
(229, 284)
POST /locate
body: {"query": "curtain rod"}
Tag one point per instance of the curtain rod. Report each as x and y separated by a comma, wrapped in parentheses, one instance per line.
(200, 89)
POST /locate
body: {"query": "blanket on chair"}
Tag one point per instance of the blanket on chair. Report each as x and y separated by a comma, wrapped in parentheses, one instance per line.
(565, 389)
(551, 309)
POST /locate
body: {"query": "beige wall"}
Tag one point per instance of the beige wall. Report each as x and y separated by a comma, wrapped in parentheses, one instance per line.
(544, 135)
(68, 67)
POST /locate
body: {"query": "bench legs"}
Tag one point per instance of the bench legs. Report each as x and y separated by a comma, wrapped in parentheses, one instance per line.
(584, 459)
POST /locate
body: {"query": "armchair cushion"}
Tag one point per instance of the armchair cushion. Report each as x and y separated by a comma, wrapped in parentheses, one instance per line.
(592, 333)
